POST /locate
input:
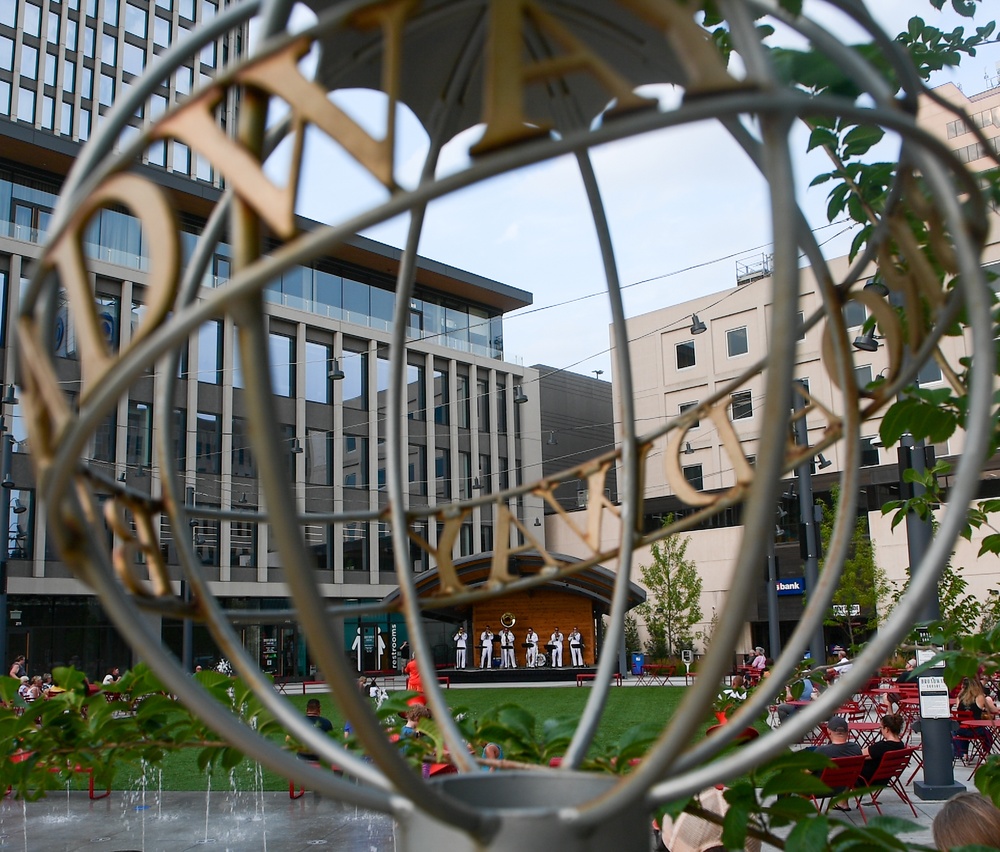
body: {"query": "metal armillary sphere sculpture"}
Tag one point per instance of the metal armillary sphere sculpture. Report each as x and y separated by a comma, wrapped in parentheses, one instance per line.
(538, 75)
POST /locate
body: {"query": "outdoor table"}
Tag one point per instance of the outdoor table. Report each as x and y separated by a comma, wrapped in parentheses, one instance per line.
(865, 732)
(653, 674)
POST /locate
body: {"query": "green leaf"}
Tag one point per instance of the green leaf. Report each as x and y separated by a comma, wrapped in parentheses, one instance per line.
(809, 835)
(819, 138)
(860, 139)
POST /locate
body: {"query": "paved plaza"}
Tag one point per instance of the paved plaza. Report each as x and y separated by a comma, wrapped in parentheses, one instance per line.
(245, 821)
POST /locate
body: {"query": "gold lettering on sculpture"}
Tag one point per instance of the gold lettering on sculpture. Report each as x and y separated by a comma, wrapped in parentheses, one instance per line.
(150, 205)
(145, 540)
(446, 541)
(692, 45)
(43, 399)
(508, 74)
(730, 445)
(279, 75)
(595, 475)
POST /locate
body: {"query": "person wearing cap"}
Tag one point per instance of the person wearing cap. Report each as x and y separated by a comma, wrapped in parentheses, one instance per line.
(840, 745)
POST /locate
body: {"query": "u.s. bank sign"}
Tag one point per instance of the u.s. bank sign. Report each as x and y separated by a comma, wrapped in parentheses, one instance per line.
(791, 586)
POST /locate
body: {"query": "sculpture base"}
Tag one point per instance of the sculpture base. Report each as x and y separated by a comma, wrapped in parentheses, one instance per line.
(529, 811)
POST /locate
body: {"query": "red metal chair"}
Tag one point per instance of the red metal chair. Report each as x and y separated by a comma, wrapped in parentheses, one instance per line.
(886, 776)
(843, 775)
(853, 711)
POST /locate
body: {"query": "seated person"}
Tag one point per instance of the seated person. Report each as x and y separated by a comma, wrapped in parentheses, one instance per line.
(809, 693)
(892, 729)
(841, 744)
(491, 751)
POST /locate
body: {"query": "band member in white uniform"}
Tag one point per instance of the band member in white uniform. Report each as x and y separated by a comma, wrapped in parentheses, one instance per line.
(556, 640)
(461, 642)
(576, 647)
(486, 641)
(531, 640)
(507, 649)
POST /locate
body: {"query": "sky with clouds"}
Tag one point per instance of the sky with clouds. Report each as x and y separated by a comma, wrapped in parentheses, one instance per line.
(684, 207)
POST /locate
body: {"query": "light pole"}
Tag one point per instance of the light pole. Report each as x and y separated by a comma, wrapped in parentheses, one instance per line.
(808, 534)
(6, 484)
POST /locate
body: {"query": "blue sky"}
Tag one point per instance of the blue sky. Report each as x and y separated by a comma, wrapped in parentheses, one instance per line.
(684, 206)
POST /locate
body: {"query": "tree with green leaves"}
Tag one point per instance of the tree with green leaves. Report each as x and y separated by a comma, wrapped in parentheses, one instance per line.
(673, 606)
(863, 585)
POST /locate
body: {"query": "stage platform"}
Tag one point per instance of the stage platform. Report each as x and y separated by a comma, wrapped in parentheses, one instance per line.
(514, 676)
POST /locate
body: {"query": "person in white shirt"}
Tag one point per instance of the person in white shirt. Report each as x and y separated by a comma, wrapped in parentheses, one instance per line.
(576, 647)
(759, 662)
(486, 642)
(843, 663)
(507, 649)
(531, 640)
(556, 641)
(461, 641)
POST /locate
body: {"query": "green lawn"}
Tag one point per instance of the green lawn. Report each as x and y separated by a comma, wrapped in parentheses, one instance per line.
(626, 708)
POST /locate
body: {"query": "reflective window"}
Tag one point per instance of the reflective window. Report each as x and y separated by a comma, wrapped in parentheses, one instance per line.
(6, 53)
(29, 61)
(135, 20)
(462, 389)
(208, 55)
(111, 12)
(21, 512)
(165, 4)
(243, 462)
(86, 82)
(693, 474)
(133, 59)
(356, 547)
(483, 404)
(182, 158)
(92, 8)
(416, 465)
(109, 49)
(208, 443)
(208, 10)
(161, 32)
(355, 461)
(501, 407)
(66, 119)
(51, 62)
(863, 375)
(687, 406)
(869, 452)
(157, 153)
(26, 105)
(355, 383)
(84, 131)
(383, 303)
(69, 76)
(741, 405)
(72, 31)
(157, 106)
(106, 96)
(854, 314)
(52, 30)
(89, 42)
(32, 23)
(139, 446)
(8, 13)
(48, 112)
(317, 365)
(210, 353)
(442, 473)
(685, 354)
(186, 9)
(104, 439)
(441, 397)
(930, 373)
(464, 475)
(183, 79)
(281, 351)
(416, 393)
(737, 342)
(4, 97)
(357, 305)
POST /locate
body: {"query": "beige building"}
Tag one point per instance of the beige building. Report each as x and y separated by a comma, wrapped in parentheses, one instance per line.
(685, 353)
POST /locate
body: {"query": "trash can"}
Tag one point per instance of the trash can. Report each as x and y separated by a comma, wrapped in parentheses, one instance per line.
(638, 661)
